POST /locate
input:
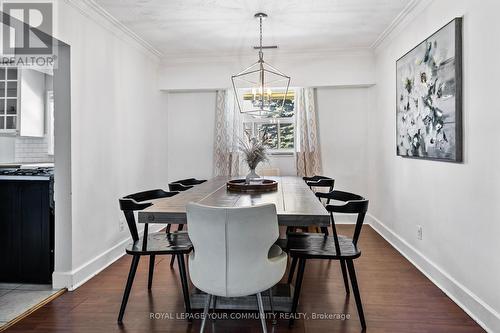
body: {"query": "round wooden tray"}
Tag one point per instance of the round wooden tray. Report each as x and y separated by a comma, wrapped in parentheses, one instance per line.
(265, 185)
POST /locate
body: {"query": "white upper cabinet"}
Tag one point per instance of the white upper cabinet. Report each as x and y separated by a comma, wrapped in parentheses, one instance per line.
(9, 92)
(31, 103)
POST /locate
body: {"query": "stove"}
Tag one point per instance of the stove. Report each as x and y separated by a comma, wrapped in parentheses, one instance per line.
(27, 216)
(42, 173)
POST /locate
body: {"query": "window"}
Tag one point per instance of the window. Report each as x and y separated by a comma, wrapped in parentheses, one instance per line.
(278, 127)
(8, 99)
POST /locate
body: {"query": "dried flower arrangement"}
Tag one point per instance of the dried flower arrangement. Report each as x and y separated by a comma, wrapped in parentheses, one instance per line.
(255, 151)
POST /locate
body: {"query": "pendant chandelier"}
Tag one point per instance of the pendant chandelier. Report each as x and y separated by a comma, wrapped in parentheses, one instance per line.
(261, 90)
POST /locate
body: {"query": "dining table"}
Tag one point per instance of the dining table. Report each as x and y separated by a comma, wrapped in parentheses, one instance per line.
(296, 205)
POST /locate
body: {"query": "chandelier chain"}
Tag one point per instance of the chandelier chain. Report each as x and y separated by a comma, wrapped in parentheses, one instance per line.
(260, 51)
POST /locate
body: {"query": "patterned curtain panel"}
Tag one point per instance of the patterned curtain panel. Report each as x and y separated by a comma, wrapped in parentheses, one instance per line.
(308, 151)
(227, 132)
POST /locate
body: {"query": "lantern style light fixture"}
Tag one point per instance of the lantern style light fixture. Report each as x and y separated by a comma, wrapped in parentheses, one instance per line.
(260, 89)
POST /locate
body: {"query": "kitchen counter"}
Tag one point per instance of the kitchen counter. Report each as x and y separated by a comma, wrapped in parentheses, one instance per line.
(30, 165)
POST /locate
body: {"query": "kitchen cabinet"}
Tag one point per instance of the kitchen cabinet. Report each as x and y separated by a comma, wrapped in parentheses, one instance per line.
(32, 103)
(9, 92)
(22, 102)
(26, 231)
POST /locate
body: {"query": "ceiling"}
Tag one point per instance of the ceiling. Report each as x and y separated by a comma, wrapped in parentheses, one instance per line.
(190, 28)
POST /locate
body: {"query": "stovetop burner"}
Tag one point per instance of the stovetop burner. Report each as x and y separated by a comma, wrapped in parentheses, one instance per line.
(42, 171)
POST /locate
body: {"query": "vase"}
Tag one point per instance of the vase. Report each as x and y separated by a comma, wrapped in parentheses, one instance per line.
(252, 175)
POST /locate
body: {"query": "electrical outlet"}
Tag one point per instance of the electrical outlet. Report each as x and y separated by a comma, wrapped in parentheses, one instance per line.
(121, 223)
(419, 232)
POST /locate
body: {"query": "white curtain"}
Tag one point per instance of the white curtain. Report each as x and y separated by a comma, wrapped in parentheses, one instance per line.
(227, 132)
(306, 134)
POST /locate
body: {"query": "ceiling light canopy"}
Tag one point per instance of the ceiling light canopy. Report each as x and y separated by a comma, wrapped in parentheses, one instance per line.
(260, 89)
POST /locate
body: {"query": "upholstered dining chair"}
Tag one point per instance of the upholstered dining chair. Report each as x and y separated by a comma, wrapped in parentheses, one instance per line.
(225, 242)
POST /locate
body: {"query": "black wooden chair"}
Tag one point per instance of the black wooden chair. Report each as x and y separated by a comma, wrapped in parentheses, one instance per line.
(317, 182)
(303, 246)
(323, 182)
(190, 181)
(316, 177)
(179, 187)
(159, 243)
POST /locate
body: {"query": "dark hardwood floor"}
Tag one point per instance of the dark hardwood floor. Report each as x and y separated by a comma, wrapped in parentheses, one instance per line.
(396, 298)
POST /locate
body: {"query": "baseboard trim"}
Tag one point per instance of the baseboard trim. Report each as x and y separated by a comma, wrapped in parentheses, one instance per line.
(78, 276)
(475, 307)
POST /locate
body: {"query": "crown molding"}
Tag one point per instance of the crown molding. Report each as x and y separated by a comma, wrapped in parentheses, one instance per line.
(300, 54)
(94, 11)
(410, 11)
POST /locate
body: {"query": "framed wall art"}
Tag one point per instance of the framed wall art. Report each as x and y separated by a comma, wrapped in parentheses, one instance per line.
(429, 97)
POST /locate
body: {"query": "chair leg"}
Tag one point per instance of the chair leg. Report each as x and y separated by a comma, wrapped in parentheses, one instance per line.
(151, 270)
(128, 287)
(214, 307)
(205, 313)
(298, 285)
(185, 289)
(274, 322)
(355, 290)
(292, 270)
(261, 313)
(344, 275)
(172, 261)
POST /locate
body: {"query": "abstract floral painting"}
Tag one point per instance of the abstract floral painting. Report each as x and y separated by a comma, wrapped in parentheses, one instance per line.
(429, 97)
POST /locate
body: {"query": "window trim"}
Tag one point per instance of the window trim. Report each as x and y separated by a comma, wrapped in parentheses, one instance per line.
(247, 119)
(278, 121)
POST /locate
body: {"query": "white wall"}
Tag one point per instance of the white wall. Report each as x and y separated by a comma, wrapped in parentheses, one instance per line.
(455, 203)
(307, 70)
(342, 119)
(118, 137)
(190, 135)
(343, 130)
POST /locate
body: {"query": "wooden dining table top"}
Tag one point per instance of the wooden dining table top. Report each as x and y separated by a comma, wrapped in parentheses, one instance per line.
(296, 204)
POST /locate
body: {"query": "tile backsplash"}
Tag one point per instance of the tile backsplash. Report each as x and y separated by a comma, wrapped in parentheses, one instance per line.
(30, 149)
